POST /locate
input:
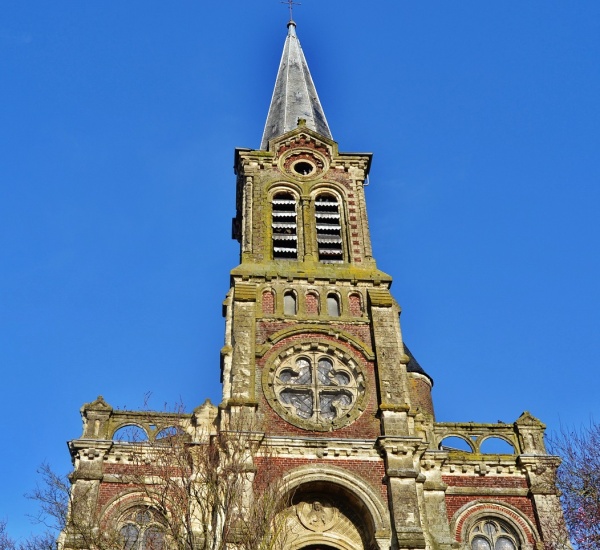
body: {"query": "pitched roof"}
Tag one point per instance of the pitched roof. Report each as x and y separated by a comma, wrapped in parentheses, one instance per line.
(295, 96)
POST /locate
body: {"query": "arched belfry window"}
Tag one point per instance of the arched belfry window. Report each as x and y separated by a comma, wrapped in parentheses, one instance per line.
(329, 229)
(493, 534)
(284, 226)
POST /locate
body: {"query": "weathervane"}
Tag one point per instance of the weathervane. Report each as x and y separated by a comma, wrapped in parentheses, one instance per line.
(291, 5)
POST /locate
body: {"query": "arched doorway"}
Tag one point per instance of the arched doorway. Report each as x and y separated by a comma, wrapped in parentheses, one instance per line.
(324, 517)
(331, 508)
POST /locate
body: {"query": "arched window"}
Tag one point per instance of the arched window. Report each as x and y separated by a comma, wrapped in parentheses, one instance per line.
(333, 305)
(329, 229)
(142, 530)
(493, 534)
(284, 226)
(289, 303)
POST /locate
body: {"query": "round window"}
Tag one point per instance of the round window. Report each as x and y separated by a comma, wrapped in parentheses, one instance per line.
(303, 168)
(317, 388)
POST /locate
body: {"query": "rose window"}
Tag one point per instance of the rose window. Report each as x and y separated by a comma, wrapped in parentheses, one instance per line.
(317, 390)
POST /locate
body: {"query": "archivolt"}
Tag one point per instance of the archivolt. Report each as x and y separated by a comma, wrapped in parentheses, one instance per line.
(305, 475)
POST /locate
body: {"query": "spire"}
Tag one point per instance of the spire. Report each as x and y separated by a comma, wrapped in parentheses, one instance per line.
(295, 96)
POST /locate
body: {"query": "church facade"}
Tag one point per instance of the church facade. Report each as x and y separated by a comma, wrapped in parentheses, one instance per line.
(314, 354)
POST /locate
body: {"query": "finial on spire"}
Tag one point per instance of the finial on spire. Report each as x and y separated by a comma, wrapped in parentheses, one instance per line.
(291, 5)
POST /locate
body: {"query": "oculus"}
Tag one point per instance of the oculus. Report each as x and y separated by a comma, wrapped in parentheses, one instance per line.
(306, 164)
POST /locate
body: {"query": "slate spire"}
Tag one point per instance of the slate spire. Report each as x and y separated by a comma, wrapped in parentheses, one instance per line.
(295, 96)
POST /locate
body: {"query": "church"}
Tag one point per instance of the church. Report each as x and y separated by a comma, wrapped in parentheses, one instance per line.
(322, 398)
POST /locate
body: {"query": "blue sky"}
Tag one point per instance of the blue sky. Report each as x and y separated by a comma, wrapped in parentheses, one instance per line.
(118, 122)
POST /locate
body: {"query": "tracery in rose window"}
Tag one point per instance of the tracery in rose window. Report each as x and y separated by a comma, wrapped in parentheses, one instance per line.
(317, 387)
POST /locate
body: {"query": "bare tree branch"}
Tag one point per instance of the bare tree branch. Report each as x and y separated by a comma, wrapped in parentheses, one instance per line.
(578, 479)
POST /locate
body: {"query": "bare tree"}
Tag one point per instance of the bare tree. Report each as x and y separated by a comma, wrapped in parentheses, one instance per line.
(34, 542)
(578, 479)
(198, 491)
(59, 513)
(6, 543)
(205, 487)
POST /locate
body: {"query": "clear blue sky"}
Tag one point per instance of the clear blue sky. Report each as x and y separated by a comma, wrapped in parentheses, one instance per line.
(118, 122)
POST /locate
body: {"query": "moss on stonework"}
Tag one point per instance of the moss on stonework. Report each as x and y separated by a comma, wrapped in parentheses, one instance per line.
(314, 270)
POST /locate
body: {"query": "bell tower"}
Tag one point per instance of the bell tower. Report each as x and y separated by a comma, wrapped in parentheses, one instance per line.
(313, 339)
(313, 332)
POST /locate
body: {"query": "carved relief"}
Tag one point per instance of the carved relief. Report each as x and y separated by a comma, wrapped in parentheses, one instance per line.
(316, 521)
(317, 516)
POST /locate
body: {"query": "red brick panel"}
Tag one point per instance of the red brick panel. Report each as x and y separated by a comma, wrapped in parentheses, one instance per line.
(268, 302)
(312, 303)
(355, 302)
(269, 469)
(267, 327)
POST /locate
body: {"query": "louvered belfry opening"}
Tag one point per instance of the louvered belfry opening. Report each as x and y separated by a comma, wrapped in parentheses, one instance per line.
(329, 229)
(285, 234)
(284, 225)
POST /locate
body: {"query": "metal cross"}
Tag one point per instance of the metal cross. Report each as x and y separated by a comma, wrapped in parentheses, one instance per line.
(291, 5)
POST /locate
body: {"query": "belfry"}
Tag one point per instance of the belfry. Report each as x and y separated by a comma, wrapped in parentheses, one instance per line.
(331, 407)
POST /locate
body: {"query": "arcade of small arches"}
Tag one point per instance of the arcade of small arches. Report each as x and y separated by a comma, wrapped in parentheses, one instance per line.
(135, 433)
(486, 444)
(333, 303)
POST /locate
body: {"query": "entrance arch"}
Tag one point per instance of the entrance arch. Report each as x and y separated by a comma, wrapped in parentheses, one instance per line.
(333, 509)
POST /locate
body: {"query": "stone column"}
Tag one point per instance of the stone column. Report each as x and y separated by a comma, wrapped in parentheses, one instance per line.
(541, 477)
(402, 457)
(359, 177)
(434, 497)
(308, 232)
(83, 513)
(243, 343)
(247, 201)
(391, 362)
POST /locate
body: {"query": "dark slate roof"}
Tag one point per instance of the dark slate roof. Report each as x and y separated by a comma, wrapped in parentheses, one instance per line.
(295, 95)
(413, 365)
